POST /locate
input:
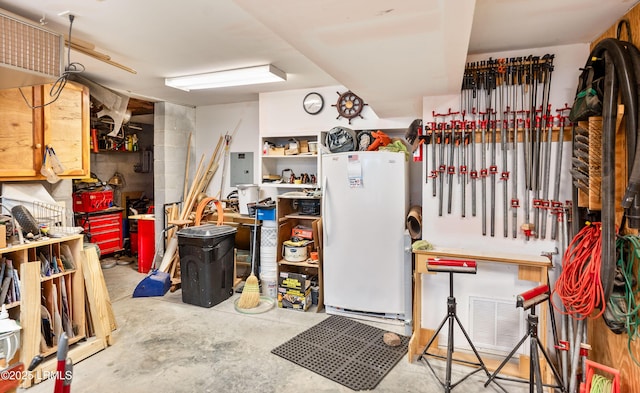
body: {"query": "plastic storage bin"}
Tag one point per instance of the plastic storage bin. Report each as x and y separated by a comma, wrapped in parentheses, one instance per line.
(206, 263)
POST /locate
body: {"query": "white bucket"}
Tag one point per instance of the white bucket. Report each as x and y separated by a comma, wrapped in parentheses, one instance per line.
(269, 284)
(247, 193)
(268, 269)
(269, 224)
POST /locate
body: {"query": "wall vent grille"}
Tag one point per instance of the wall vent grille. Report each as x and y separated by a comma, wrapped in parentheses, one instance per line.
(496, 325)
(30, 54)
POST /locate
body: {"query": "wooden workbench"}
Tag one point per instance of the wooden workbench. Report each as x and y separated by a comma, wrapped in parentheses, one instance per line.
(530, 268)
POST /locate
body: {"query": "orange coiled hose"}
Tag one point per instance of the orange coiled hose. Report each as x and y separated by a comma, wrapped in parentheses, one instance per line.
(579, 286)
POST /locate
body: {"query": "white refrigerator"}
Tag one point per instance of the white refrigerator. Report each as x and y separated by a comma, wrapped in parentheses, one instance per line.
(366, 249)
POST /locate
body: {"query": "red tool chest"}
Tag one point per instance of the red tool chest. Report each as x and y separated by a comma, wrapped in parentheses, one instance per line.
(91, 201)
(103, 229)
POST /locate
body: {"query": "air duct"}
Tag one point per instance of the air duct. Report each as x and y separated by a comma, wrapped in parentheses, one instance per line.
(29, 54)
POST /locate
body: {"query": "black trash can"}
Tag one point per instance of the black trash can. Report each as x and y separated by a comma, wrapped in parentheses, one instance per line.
(206, 263)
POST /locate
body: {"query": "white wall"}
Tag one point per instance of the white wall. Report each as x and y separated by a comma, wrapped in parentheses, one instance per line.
(453, 231)
(213, 122)
(438, 230)
(282, 113)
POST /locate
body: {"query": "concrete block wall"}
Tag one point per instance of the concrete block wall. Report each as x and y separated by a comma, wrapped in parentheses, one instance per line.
(172, 125)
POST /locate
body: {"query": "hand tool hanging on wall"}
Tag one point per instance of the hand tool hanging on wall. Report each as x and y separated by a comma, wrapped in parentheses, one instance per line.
(442, 167)
(492, 83)
(493, 170)
(515, 202)
(466, 128)
(474, 172)
(519, 89)
(546, 175)
(556, 205)
(451, 169)
(504, 127)
(483, 175)
(434, 141)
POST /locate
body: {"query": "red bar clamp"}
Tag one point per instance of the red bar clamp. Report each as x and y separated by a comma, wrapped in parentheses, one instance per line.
(504, 176)
(562, 345)
(463, 170)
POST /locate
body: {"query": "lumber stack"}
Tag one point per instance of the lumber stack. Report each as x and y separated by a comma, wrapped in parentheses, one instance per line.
(183, 215)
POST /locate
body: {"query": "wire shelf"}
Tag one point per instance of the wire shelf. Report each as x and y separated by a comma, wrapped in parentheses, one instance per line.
(46, 214)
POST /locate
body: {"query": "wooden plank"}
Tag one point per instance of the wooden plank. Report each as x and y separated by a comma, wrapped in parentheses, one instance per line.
(95, 293)
(608, 348)
(77, 293)
(532, 273)
(30, 320)
(414, 343)
(498, 257)
(29, 246)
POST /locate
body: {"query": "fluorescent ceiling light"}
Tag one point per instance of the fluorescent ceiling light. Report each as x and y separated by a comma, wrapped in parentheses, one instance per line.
(237, 77)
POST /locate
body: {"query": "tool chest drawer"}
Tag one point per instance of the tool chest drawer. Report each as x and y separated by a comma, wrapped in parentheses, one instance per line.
(102, 229)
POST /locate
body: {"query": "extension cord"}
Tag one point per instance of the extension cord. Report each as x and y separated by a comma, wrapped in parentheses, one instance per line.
(600, 384)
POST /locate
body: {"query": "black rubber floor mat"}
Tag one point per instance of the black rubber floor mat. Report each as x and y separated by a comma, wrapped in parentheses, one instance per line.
(345, 351)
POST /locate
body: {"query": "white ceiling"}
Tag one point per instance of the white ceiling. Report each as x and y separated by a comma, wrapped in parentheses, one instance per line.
(389, 52)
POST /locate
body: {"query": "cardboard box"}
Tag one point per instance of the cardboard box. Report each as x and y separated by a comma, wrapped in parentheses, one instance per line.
(294, 299)
(302, 231)
(275, 151)
(296, 281)
(304, 146)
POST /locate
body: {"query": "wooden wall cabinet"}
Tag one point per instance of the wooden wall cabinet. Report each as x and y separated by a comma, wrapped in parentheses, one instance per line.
(24, 132)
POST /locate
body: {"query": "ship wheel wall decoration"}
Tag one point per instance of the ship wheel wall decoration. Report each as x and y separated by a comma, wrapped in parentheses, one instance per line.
(349, 106)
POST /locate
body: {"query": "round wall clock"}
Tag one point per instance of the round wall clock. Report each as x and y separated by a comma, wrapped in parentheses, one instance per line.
(349, 106)
(313, 103)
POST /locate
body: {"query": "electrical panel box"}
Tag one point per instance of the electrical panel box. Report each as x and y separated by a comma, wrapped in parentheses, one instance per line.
(241, 168)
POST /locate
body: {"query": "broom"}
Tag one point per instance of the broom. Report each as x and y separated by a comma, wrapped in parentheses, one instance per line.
(250, 296)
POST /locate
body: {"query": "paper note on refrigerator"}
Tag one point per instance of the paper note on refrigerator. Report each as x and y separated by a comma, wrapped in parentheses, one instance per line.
(354, 171)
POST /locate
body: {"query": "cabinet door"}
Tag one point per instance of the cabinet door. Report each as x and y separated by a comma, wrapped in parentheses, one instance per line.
(66, 129)
(20, 142)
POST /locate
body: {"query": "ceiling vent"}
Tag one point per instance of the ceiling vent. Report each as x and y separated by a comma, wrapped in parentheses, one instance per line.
(29, 54)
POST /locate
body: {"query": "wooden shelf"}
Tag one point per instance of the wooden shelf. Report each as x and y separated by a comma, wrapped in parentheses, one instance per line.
(51, 277)
(54, 349)
(9, 306)
(34, 288)
(288, 185)
(288, 217)
(298, 156)
(302, 217)
(315, 265)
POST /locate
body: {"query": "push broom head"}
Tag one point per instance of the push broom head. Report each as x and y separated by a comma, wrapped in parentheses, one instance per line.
(451, 266)
(250, 296)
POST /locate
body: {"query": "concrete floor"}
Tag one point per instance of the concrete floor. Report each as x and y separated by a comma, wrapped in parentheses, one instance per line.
(165, 345)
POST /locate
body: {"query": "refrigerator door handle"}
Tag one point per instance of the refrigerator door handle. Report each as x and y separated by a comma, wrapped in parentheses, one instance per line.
(325, 214)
